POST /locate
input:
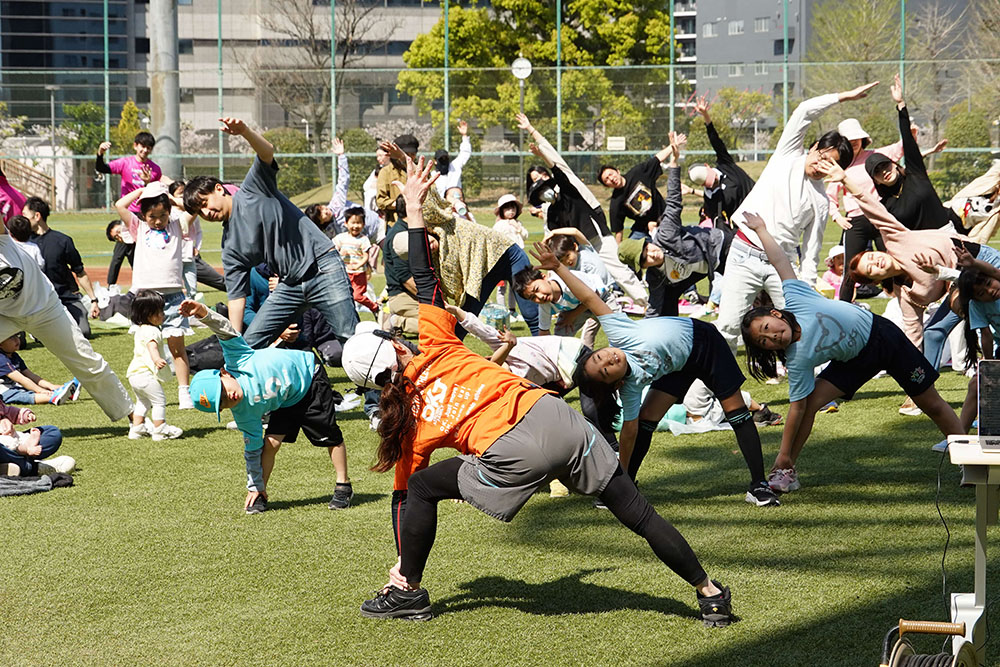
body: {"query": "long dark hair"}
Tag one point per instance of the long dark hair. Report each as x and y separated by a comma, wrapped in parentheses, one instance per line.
(601, 393)
(762, 363)
(399, 400)
(966, 287)
(527, 177)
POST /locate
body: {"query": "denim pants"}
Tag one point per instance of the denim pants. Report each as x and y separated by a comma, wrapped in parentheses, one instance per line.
(936, 332)
(50, 440)
(510, 263)
(327, 289)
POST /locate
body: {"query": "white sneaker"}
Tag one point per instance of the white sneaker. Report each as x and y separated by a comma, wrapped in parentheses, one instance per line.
(59, 464)
(374, 422)
(10, 470)
(232, 426)
(184, 401)
(165, 431)
(136, 431)
(941, 446)
(912, 411)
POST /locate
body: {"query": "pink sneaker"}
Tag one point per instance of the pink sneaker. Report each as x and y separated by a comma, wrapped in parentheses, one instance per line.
(784, 480)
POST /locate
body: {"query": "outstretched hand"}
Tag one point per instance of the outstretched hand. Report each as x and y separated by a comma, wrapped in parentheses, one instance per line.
(546, 258)
(233, 126)
(896, 89)
(857, 93)
(754, 221)
(701, 106)
(523, 123)
(925, 263)
(832, 172)
(678, 142)
(463, 128)
(337, 145)
(963, 258)
(192, 308)
(420, 175)
(393, 151)
(507, 337)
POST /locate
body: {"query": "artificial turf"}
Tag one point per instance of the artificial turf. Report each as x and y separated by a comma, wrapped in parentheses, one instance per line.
(149, 558)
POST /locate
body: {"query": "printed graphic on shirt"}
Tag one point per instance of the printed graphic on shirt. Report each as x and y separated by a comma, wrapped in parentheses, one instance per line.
(833, 334)
(445, 405)
(157, 239)
(639, 201)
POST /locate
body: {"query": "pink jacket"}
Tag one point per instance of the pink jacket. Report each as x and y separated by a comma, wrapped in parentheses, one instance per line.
(903, 244)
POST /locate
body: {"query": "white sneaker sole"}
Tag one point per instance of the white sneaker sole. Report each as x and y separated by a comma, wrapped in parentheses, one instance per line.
(752, 499)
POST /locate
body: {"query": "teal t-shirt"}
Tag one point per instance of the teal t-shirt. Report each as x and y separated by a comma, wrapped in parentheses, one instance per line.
(831, 330)
(653, 347)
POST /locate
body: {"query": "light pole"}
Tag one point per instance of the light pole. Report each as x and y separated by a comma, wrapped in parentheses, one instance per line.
(521, 69)
(52, 127)
(307, 129)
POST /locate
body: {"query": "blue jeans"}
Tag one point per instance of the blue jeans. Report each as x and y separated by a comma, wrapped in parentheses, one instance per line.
(636, 234)
(936, 332)
(19, 396)
(327, 289)
(50, 440)
(510, 263)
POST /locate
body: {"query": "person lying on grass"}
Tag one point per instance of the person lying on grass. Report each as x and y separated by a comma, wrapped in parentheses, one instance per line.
(812, 330)
(288, 384)
(667, 354)
(514, 437)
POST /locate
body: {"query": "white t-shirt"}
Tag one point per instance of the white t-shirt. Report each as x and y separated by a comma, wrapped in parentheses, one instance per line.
(24, 289)
(158, 256)
(33, 251)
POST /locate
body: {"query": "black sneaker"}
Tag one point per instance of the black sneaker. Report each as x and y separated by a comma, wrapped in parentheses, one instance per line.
(392, 602)
(761, 495)
(766, 416)
(716, 611)
(599, 504)
(258, 506)
(342, 495)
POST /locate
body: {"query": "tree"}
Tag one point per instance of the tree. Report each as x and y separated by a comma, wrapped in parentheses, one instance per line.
(857, 33)
(965, 128)
(297, 75)
(296, 173)
(984, 45)
(483, 41)
(85, 127)
(935, 34)
(733, 112)
(10, 126)
(129, 124)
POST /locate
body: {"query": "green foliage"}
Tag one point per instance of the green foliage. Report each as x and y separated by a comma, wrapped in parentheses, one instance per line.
(595, 33)
(732, 112)
(965, 128)
(882, 125)
(85, 127)
(357, 140)
(297, 174)
(129, 125)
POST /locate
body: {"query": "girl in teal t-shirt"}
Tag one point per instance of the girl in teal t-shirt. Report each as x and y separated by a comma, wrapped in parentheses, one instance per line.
(813, 330)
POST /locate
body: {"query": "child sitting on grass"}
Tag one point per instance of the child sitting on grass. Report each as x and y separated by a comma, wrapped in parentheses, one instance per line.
(20, 385)
(289, 385)
(354, 247)
(146, 371)
(21, 453)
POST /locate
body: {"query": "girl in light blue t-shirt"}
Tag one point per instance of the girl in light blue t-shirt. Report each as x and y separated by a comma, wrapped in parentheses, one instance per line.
(813, 330)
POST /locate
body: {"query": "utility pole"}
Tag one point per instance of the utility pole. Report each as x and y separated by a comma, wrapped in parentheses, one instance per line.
(164, 85)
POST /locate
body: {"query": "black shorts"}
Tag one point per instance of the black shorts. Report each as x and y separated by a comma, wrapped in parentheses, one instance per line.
(887, 349)
(710, 361)
(314, 414)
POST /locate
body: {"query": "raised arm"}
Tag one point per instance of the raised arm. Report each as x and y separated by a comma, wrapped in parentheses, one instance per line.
(218, 324)
(775, 254)
(911, 150)
(722, 155)
(121, 206)
(794, 134)
(261, 146)
(419, 178)
(577, 235)
(339, 200)
(669, 230)
(885, 222)
(99, 164)
(587, 296)
(464, 148)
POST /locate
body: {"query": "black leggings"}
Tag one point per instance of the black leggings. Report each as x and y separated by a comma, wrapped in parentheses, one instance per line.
(856, 240)
(440, 482)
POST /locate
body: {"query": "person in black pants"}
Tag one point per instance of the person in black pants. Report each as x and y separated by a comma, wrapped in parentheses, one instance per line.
(725, 185)
(468, 403)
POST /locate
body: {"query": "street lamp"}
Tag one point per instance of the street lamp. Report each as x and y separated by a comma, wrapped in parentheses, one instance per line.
(52, 126)
(307, 129)
(521, 69)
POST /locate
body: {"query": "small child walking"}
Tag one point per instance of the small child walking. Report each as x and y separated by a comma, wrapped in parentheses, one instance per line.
(353, 246)
(145, 372)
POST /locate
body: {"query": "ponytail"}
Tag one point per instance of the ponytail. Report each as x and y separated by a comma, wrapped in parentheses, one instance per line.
(397, 423)
(966, 285)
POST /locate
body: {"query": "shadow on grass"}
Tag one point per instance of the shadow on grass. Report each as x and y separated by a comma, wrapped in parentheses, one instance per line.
(115, 432)
(566, 595)
(359, 499)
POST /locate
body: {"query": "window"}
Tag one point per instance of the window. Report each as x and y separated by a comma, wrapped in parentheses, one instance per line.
(711, 71)
(736, 27)
(187, 95)
(760, 68)
(709, 30)
(779, 46)
(761, 24)
(183, 2)
(141, 45)
(185, 46)
(736, 70)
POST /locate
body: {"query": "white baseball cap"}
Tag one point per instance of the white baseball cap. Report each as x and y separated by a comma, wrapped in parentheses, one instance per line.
(367, 356)
(851, 129)
(702, 174)
(154, 190)
(365, 327)
(835, 251)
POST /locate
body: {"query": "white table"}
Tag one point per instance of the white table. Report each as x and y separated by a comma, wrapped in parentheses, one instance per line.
(981, 469)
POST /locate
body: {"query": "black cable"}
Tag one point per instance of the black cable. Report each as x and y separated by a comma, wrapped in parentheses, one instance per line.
(947, 541)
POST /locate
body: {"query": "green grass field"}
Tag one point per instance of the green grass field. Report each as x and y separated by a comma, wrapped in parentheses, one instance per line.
(149, 559)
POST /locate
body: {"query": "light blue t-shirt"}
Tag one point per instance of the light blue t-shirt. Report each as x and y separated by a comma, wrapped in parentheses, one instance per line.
(831, 330)
(270, 379)
(985, 313)
(653, 348)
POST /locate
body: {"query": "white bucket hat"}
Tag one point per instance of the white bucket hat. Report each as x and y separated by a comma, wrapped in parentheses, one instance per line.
(367, 355)
(835, 251)
(851, 129)
(702, 174)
